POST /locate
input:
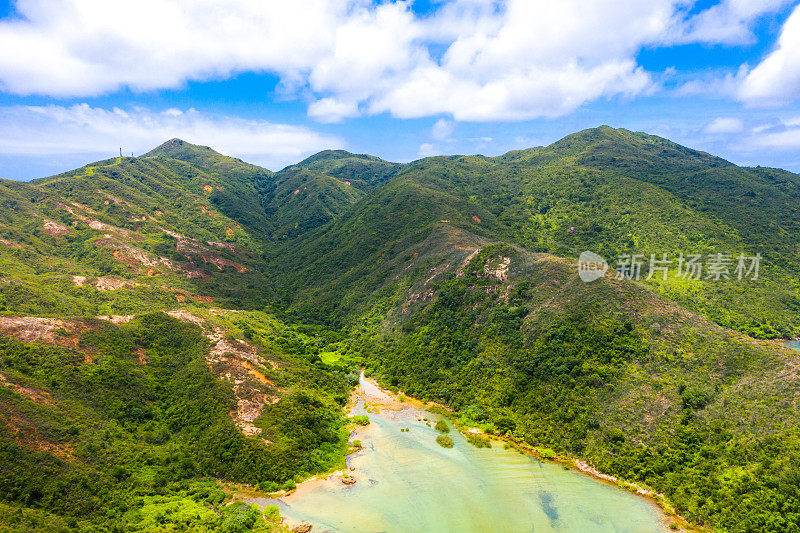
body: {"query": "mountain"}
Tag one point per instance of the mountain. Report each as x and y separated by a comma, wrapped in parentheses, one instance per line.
(563, 199)
(323, 187)
(182, 322)
(365, 171)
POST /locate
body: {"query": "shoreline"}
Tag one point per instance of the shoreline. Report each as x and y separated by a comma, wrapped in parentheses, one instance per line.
(372, 396)
(656, 498)
(377, 398)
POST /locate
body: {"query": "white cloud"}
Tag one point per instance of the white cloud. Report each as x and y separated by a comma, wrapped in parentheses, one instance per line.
(332, 110)
(714, 83)
(787, 139)
(429, 150)
(724, 125)
(777, 78)
(728, 22)
(476, 60)
(781, 137)
(82, 129)
(442, 129)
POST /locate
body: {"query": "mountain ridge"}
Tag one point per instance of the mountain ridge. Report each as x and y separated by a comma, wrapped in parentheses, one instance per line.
(129, 283)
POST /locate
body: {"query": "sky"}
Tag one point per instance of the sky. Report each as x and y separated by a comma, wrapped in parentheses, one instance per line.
(272, 81)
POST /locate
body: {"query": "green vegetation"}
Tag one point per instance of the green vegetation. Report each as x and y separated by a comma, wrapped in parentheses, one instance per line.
(545, 453)
(442, 427)
(126, 445)
(450, 278)
(444, 441)
(477, 440)
(594, 379)
(361, 420)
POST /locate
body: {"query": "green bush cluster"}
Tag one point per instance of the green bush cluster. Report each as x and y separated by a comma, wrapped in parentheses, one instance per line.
(444, 441)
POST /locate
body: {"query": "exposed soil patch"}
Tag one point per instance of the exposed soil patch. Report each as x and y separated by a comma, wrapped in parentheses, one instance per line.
(53, 331)
(189, 247)
(51, 227)
(135, 258)
(35, 395)
(230, 247)
(237, 362)
(10, 244)
(97, 225)
(105, 283)
(460, 270)
(111, 283)
(26, 433)
(117, 319)
(497, 269)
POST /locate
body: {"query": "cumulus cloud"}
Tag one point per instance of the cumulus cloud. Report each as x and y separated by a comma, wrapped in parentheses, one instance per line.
(777, 78)
(82, 129)
(475, 60)
(724, 125)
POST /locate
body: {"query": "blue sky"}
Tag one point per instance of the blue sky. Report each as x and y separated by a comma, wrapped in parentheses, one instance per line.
(274, 82)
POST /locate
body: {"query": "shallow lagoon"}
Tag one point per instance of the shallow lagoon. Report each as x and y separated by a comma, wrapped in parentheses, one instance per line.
(406, 482)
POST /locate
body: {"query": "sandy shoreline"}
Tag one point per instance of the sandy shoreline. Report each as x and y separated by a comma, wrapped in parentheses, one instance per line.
(373, 397)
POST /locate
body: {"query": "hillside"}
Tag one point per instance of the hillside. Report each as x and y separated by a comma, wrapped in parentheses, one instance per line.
(130, 284)
(660, 198)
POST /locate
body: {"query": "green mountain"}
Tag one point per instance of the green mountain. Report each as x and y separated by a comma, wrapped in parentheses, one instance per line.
(564, 199)
(362, 170)
(131, 284)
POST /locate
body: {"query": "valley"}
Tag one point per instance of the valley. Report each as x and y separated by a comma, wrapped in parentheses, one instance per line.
(181, 334)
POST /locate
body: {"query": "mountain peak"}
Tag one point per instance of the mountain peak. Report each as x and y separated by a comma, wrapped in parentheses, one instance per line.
(179, 149)
(609, 147)
(335, 155)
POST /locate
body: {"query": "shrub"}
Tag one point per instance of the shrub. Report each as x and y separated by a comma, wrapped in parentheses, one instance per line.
(479, 441)
(545, 453)
(361, 420)
(442, 427)
(505, 424)
(444, 441)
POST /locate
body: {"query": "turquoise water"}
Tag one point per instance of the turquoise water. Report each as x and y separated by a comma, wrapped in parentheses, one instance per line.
(794, 345)
(406, 482)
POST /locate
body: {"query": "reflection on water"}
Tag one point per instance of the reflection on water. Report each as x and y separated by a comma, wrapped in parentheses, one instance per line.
(407, 483)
